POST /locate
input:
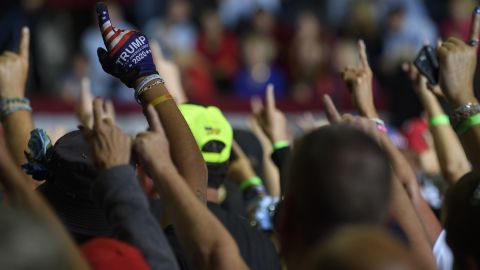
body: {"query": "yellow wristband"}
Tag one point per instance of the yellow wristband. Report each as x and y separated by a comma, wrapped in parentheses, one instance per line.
(160, 99)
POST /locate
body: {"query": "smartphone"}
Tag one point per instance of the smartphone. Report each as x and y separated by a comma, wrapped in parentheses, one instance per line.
(427, 64)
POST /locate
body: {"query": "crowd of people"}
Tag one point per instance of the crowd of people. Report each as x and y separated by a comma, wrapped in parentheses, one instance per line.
(234, 49)
(193, 191)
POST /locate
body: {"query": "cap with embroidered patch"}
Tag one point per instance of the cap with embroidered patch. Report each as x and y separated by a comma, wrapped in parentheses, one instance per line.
(212, 131)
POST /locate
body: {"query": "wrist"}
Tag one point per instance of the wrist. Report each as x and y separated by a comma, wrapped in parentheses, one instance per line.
(280, 144)
(251, 182)
(279, 137)
(148, 96)
(138, 81)
(456, 102)
(368, 111)
(161, 169)
(439, 120)
(11, 105)
(16, 94)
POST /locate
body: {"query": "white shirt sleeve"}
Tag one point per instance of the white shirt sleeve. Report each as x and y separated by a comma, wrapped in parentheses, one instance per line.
(442, 253)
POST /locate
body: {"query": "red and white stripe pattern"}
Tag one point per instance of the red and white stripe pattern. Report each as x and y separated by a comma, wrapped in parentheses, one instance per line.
(112, 37)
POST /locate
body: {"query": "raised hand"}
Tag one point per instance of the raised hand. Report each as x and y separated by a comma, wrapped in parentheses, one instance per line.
(272, 121)
(169, 70)
(152, 147)
(359, 81)
(110, 146)
(458, 61)
(84, 108)
(14, 68)
(129, 56)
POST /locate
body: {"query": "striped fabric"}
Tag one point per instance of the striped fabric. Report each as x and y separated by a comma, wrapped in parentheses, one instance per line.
(127, 49)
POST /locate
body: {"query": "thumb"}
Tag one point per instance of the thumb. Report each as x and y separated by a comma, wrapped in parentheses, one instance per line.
(102, 54)
(24, 48)
(153, 119)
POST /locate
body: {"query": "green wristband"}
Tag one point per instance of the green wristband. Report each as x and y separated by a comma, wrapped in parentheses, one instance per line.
(280, 144)
(250, 182)
(468, 123)
(439, 120)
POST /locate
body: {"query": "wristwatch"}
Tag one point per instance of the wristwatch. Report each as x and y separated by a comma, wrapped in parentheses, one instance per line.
(463, 112)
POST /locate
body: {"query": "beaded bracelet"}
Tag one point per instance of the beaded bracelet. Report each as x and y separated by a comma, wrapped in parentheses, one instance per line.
(438, 120)
(10, 100)
(142, 87)
(13, 104)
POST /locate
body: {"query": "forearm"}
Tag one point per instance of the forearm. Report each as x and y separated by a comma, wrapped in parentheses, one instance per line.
(271, 176)
(195, 223)
(403, 212)
(367, 110)
(452, 158)
(401, 167)
(17, 128)
(127, 211)
(21, 194)
(280, 158)
(404, 174)
(183, 148)
(430, 223)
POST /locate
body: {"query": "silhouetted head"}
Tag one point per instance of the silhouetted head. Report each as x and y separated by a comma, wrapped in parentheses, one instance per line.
(338, 176)
(361, 248)
(28, 243)
(462, 221)
(68, 188)
(213, 135)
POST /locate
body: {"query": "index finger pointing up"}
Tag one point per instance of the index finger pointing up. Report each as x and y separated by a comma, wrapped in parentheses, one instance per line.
(24, 48)
(98, 112)
(475, 27)
(363, 54)
(104, 21)
(270, 97)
